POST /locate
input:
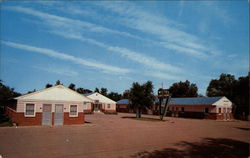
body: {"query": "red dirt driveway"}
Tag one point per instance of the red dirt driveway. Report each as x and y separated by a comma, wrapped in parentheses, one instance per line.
(118, 136)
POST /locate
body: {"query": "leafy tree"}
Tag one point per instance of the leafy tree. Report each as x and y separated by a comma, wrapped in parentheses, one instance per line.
(72, 86)
(141, 96)
(83, 91)
(222, 87)
(48, 85)
(58, 82)
(114, 96)
(183, 89)
(104, 91)
(6, 92)
(32, 91)
(237, 90)
(241, 97)
(125, 94)
(96, 90)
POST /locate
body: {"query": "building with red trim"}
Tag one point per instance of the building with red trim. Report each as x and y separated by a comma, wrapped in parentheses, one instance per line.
(56, 105)
(100, 103)
(217, 108)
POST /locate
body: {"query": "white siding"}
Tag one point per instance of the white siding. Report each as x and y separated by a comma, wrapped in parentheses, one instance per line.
(39, 104)
(223, 102)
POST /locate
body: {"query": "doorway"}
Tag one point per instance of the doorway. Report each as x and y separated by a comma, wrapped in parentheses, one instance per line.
(58, 117)
(47, 115)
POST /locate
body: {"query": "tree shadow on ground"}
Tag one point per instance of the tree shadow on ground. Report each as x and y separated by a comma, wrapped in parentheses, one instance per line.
(142, 118)
(207, 148)
(241, 128)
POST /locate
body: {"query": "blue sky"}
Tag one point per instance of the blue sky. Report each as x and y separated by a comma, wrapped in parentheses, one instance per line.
(113, 44)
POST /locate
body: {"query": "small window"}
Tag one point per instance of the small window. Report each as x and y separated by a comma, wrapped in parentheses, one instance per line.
(30, 110)
(177, 108)
(182, 109)
(219, 110)
(73, 110)
(108, 106)
(172, 108)
(85, 106)
(206, 110)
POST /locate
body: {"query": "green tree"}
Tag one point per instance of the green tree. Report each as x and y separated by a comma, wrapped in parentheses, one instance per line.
(241, 97)
(72, 86)
(183, 89)
(6, 92)
(104, 91)
(48, 85)
(83, 91)
(224, 86)
(34, 90)
(125, 94)
(141, 96)
(114, 96)
(96, 90)
(236, 90)
(58, 82)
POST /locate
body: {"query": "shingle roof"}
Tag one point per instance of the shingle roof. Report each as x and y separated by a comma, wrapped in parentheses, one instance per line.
(123, 101)
(194, 101)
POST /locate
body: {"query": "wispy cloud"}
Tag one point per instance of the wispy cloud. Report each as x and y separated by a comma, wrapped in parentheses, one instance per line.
(172, 39)
(182, 3)
(165, 30)
(55, 20)
(57, 70)
(132, 55)
(219, 11)
(63, 56)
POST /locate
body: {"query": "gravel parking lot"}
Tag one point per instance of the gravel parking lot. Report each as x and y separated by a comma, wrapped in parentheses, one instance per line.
(119, 136)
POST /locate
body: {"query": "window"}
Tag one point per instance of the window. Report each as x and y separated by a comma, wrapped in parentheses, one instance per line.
(177, 108)
(85, 106)
(182, 109)
(219, 110)
(73, 110)
(172, 108)
(206, 110)
(30, 110)
(108, 106)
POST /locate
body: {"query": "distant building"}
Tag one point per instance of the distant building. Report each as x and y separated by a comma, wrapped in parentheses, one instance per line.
(56, 105)
(101, 104)
(122, 105)
(217, 108)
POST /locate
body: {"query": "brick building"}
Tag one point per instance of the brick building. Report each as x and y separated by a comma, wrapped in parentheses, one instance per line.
(217, 108)
(56, 105)
(101, 104)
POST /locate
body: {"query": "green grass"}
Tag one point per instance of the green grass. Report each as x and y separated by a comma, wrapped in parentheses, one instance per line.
(5, 121)
(145, 119)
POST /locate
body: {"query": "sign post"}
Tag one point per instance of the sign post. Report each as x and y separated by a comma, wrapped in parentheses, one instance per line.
(163, 94)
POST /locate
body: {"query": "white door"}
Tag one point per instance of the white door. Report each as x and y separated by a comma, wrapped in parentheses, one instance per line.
(47, 114)
(58, 118)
